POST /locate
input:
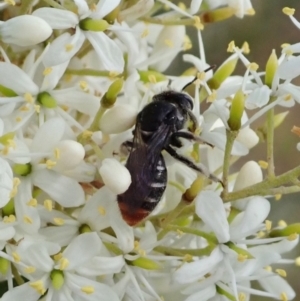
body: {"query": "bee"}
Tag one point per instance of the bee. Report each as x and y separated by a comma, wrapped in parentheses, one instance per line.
(159, 127)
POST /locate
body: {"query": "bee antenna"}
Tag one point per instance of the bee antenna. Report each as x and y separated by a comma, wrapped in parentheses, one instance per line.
(196, 77)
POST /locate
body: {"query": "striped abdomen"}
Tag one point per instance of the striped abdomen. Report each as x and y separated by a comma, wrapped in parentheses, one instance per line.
(145, 191)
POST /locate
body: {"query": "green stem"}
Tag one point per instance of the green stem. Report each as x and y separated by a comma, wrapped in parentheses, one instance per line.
(16, 275)
(230, 135)
(95, 124)
(270, 143)
(170, 22)
(265, 187)
(209, 237)
(87, 72)
(182, 252)
(97, 150)
(85, 49)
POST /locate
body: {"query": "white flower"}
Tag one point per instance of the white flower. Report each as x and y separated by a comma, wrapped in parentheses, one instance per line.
(24, 30)
(65, 46)
(6, 182)
(59, 277)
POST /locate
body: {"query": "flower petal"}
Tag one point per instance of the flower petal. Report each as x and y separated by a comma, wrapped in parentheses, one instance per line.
(65, 191)
(108, 51)
(18, 293)
(104, 7)
(210, 208)
(57, 18)
(81, 249)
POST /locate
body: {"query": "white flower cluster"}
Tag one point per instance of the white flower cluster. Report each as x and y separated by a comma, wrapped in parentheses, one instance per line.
(73, 77)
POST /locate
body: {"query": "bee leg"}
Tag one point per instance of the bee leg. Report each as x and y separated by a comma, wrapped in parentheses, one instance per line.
(199, 167)
(188, 136)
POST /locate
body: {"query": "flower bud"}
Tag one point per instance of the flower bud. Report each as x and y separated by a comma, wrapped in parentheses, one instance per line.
(45, 99)
(248, 137)
(151, 76)
(118, 119)
(68, 154)
(223, 72)
(271, 68)
(115, 175)
(93, 25)
(236, 111)
(249, 174)
(110, 97)
(146, 263)
(216, 15)
(25, 30)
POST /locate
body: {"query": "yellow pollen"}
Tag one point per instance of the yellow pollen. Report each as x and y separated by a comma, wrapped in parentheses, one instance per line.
(145, 33)
(16, 257)
(253, 66)
(24, 108)
(187, 258)
(169, 43)
(212, 97)
(69, 47)
(187, 43)
(288, 11)
(48, 204)
(242, 297)
(201, 75)
(182, 6)
(9, 219)
(281, 272)
(288, 97)
(113, 74)
(268, 268)
(297, 261)
(10, 2)
(87, 134)
(296, 130)
(38, 286)
(288, 52)
(101, 210)
(63, 263)
(136, 245)
(64, 107)
(11, 143)
(88, 289)
(58, 221)
(93, 7)
(142, 252)
(18, 119)
(284, 45)
(47, 71)
(246, 48)
(37, 108)
(198, 23)
(57, 153)
(263, 164)
(278, 196)
(231, 47)
(250, 12)
(58, 256)
(242, 258)
(83, 85)
(282, 223)
(283, 296)
(293, 236)
(27, 219)
(50, 164)
(28, 97)
(30, 269)
(260, 234)
(179, 233)
(32, 202)
(268, 225)
(152, 79)
(16, 183)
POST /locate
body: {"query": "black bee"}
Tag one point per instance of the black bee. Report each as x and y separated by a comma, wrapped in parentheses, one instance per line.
(158, 127)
